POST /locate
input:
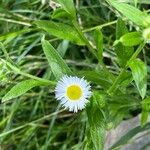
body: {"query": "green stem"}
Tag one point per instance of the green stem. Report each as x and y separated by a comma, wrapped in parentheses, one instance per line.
(90, 47)
(77, 27)
(17, 22)
(5, 53)
(32, 123)
(116, 82)
(18, 71)
(137, 52)
(100, 26)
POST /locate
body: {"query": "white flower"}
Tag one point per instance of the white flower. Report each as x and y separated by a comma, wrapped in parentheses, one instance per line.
(146, 35)
(73, 92)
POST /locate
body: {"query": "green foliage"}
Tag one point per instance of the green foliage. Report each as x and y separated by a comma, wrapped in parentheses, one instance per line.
(96, 124)
(58, 13)
(60, 30)
(139, 73)
(131, 39)
(135, 15)
(100, 41)
(98, 37)
(145, 111)
(137, 1)
(10, 36)
(101, 77)
(58, 66)
(68, 6)
(123, 52)
(21, 88)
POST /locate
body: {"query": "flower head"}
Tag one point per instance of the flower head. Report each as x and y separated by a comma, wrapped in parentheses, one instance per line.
(146, 35)
(73, 92)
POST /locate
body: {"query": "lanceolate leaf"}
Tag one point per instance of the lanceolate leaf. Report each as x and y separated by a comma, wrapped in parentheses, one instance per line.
(145, 111)
(100, 78)
(132, 13)
(59, 13)
(98, 37)
(60, 30)
(138, 1)
(12, 35)
(97, 136)
(62, 47)
(123, 52)
(57, 64)
(68, 6)
(22, 88)
(131, 39)
(96, 125)
(139, 73)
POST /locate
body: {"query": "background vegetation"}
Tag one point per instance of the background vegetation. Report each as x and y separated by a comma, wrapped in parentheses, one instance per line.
(94, 44)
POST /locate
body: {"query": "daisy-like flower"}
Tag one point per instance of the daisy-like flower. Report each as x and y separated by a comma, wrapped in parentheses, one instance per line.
(146, 35)
(73, 92)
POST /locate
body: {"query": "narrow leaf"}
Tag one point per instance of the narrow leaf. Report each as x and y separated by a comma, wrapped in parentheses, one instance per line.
(145, 111)
(57, 64)
(138, 1)
(139, 73)
(131, 39)
(68, 6)
(12, 35)
(60, 30)
(97, 137)
(135, 15)
(59, 13)
(100, 78)
(98, 37)
(22, 88)
(62, 47)
(123, 52)
(96, 125)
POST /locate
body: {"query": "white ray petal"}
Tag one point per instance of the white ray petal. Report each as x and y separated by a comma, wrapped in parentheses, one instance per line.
(61, 92)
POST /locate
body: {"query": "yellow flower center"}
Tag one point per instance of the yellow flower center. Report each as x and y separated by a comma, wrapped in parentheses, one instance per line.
(74, 92)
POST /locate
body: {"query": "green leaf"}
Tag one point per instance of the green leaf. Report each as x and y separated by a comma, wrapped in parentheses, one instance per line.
(138, 1)
(135, 2)
(145, 111)
(59, 13)
(99, 98)
(125, 80)
(139, 73)
(131, 39)
(97, 137)
(12, 35)
(129, 135)
(57, 64)
(68, 6)
(121, 28)
(120, 105)
(96, 125)
(101, 78)
(98, 37)
(22, 88)
(60, 30)
(123, 53)
(135, 15)
(62, 47)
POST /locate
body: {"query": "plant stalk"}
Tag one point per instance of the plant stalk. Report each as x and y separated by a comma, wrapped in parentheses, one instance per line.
(116, 82)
